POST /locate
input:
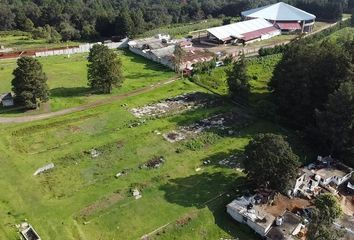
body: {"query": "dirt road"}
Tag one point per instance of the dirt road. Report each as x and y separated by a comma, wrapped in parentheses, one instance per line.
(22, 119)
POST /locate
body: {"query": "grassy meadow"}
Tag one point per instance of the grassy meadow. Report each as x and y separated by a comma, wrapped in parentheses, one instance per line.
(260, 71)
(20, 41)
(81, 199)
(67, 78)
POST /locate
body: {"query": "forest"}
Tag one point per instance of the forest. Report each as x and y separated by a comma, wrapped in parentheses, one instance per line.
(96, 19)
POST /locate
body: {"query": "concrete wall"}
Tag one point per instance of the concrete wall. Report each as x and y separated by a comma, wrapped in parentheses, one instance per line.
(239, 218)
(83, 48)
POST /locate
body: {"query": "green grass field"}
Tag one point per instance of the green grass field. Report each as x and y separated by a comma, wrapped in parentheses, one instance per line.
(81, 199)
(23, 41)
(67, 78)
(260, 71)
(182, 30)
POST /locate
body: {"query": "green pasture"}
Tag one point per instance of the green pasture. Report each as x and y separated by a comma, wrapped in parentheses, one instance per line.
(260, 71)
(19, 41)
(81, 198)
(67, 77)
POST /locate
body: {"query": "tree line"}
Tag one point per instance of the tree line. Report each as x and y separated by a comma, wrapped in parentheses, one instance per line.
(76, 19)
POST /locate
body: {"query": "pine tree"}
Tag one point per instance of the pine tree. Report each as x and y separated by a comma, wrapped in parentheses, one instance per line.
(104, 69)
(238, 79)
(29, 83)
(336, 122)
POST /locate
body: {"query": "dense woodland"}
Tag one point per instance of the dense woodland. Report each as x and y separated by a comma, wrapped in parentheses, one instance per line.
(91, 19)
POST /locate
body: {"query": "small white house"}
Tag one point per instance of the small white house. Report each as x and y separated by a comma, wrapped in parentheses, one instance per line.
(244, 210)
(324, 172)
(7, 100)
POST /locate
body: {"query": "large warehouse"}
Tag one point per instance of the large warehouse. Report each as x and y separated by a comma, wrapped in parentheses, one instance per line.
(284, 16)
(246, 31)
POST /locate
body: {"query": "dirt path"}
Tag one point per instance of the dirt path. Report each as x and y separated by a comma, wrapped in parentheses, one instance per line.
(42, 116)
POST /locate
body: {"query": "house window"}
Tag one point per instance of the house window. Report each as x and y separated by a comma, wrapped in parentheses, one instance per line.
(244, 219)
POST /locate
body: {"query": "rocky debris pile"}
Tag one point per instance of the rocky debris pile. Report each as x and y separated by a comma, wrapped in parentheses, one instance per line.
(94, 153)
(232, 161)
(136, 123)
(136, 193)
(44, 169)
(220, 122)
(155, 162)
(174, 136)
(124, 172)
(175, 104)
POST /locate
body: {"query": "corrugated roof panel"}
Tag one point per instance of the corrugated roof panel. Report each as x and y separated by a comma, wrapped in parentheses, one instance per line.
(279, 12)
(239, 28)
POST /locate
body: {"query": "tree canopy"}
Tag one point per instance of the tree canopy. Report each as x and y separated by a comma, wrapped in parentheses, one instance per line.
(104, 69)
(270, 161)
(237, 79)
(336, 122)
(305, 77)
(327, 210)
(29, 83)
(77, 19)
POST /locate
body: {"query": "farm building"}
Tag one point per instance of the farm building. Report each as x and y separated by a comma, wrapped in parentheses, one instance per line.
(254, 213)
(244, 210)
(7, 100)
(161, 49)
(325, 172)
(246, 31)
(286, 17)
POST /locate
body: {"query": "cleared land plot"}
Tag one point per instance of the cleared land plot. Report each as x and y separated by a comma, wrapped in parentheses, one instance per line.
(82, 197)
(67, 78)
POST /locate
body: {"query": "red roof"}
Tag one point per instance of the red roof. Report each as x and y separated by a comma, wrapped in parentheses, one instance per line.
(289, 26)
(258, 33)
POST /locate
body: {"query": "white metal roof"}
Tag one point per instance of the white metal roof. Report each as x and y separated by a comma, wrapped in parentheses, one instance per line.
(239, 28)
(279, 12)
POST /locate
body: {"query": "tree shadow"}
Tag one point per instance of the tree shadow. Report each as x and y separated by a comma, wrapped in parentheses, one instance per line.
(231, 159)
(70, 92)
(211, 190)
(148, 64)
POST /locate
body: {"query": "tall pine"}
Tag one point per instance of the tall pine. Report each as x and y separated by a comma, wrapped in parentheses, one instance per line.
(238, 79)
(104, 69)
(29, 83)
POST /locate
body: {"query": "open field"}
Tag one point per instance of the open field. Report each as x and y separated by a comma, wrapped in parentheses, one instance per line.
(22, 41)
(182, 30)
(81, 199)
(68, 83)
(260, 70)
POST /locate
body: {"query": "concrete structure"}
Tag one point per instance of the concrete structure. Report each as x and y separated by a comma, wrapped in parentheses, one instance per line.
(7, 100)
(161, 49)
(244, 210)
(287, 17)
(287, 227)
(28, 232)
(83, 48)
(246, 31)
(324, 172)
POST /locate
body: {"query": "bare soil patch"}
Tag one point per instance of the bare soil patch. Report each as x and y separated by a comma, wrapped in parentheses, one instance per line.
(100, 205)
